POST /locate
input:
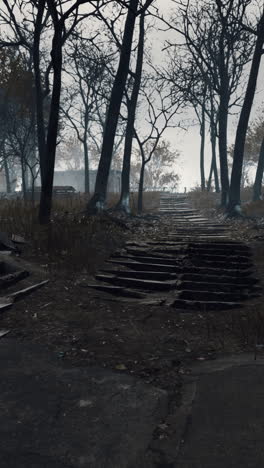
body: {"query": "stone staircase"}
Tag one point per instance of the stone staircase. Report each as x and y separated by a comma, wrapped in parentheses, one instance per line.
(197, 266)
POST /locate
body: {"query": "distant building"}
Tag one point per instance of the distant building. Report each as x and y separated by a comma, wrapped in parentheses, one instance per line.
(76, 180)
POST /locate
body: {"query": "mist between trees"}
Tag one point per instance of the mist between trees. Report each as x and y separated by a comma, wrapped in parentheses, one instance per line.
(80, 85)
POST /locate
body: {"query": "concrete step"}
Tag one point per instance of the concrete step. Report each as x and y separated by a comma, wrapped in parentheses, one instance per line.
(151, 275)
(152, 285)
(202, 306)
(218, 287)
(117, 290)
(225, 264)
(180, 269)
(197, 262)
(214, 296)
(245, 282)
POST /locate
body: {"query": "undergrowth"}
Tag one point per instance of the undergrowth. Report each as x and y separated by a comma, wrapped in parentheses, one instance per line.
(72, 239)
(202, 200)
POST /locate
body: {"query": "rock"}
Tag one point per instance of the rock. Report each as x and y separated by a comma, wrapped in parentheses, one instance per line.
(6, 243)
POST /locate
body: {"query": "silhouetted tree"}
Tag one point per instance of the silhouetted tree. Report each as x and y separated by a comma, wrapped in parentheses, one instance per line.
(234, 198)
(259, 174)
(124, 203)
(159, 116)
(97, 202)
(220, 47)
(29, 25)
(87, 68)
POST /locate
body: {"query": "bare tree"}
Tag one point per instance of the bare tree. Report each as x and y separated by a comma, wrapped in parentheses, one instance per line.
(213, 119)
(201, 116)
(28, 24)
(187, 82)
(160, 114)
(124, 202)
(18, 123)
(259, 174)
(87, 66)
(60, 35)
(20, 142)
(220, 47)
(234, 199)
(97, 202)
(161, 173)
(131, 94)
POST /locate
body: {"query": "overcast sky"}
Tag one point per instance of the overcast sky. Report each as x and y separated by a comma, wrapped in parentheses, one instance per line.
(188, 142)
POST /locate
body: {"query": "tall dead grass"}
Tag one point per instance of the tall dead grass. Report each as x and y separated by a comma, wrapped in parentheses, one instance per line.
(254, 209)
(203, 200)
(151, 201)
(72, 239)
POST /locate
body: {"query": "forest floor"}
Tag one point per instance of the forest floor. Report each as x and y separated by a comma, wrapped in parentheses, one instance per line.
(156, 344)
(75, 327)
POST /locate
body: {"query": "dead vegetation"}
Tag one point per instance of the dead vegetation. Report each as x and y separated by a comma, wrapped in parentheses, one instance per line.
(202, 200)
(72, 240)
(254, 208)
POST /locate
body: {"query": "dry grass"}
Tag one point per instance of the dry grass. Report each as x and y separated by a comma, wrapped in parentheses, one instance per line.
(246, 194)
(247, 325)
(72, 239)
(151, 201)
(203, 200)
(255, 208)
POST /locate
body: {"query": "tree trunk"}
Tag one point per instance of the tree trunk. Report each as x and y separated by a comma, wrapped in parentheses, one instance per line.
(216, 178)
(86, 167)
(27, 176)
(223, 120)
(33, 161)
(32, 187)
(213, 169)
(209, 183)
(97, 202)
(234, 199)
(52, 132)
(202, 134)
(124, 203)
(7, 176)
(33, 176)
(259, 175)
(24, 181)
(38, 87)
(141, 188)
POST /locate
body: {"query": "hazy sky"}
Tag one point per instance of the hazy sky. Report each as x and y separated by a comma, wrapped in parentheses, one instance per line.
(188, 142)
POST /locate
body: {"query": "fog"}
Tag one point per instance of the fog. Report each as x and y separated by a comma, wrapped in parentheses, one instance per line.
(188, 142)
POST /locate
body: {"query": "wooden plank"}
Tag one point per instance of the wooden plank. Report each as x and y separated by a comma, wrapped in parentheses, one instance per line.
(24, 292)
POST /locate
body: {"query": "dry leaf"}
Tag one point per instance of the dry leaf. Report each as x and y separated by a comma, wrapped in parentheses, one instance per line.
(121, 367)
(4, 332)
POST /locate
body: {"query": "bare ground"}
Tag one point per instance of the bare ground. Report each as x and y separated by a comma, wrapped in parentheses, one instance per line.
(155, 343)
